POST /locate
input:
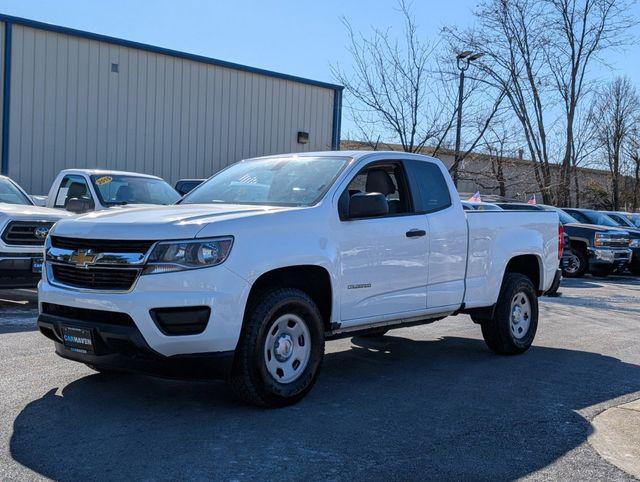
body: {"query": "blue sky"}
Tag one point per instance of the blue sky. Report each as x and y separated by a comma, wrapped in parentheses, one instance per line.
(296, 37)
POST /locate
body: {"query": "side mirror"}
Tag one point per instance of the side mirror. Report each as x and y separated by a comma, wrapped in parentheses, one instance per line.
(79, 206)
(368, 205)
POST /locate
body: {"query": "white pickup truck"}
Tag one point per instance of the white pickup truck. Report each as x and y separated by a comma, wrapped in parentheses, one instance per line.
(253, 270)
(23, 229)
(83, 190)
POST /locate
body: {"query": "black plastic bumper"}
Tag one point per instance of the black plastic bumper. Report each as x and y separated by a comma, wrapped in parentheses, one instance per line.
(16, 270)
(124, 348)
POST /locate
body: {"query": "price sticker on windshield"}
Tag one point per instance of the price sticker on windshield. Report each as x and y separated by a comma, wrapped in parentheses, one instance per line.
(104, 180)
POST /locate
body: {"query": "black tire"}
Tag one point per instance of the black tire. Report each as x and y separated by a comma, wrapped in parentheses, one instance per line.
(250, 379)
(635, 269)
(497, 332)
(578, 269)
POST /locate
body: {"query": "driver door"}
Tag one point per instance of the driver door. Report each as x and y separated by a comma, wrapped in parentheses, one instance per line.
(383, 260)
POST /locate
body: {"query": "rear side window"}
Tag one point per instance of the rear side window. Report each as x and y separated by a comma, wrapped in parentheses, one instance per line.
(430, 189)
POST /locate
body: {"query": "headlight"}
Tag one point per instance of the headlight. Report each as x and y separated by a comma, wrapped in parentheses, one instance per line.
(635, 243)
(168, 256)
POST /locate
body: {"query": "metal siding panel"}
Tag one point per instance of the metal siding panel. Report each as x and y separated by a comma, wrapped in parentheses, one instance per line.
(165, 115)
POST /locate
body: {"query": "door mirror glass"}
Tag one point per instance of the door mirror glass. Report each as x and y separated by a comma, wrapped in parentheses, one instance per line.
(368, 205)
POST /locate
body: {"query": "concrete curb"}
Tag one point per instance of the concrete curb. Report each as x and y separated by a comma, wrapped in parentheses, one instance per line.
(616, 436)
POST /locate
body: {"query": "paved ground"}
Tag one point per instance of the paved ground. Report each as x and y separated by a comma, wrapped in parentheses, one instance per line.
(423, 403)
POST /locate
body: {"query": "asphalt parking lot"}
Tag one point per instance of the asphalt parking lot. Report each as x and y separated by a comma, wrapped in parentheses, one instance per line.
(428, 402)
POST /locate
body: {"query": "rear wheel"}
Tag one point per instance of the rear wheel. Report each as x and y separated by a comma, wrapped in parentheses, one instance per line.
(280, 351)
(515, 321)
(576, 265)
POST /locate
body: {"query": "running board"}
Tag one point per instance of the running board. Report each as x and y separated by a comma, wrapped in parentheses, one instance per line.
(337, 331)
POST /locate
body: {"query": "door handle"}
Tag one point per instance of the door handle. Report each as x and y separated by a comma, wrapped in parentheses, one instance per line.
(416, 233)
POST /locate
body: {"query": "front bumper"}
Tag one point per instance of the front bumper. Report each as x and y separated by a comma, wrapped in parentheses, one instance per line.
(218, 288)
(124, 348)
(616, 258)
(17, 269)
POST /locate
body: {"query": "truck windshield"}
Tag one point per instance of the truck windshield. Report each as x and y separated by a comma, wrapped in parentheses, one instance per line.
(116, 190)
(10, 194)
(281, 181)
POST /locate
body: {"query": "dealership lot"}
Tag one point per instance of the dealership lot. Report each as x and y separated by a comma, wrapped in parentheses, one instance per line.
(423, 402)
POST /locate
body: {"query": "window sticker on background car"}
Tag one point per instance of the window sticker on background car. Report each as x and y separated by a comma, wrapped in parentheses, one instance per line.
(104, 180)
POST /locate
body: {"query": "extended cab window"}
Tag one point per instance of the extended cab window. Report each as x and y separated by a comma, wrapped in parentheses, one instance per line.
(72, 187)
(430, 189)
(386, 179)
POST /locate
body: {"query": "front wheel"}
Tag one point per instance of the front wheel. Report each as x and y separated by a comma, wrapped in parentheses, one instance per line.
(576, 265)
(515, 321)
(280, 351)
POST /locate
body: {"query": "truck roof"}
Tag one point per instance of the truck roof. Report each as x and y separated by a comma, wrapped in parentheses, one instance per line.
(353, 154)
(92, 172)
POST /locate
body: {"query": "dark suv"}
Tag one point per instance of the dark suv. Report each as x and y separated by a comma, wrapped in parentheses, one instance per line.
(613, 219)
(600, 240)
(594, 249)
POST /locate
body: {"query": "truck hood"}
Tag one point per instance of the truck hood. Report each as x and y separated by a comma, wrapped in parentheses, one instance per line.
(155, 222)
(28, 213)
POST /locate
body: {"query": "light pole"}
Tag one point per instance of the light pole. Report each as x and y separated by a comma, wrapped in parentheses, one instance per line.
(463, 60)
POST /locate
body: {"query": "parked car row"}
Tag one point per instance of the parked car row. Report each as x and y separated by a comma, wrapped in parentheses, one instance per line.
(25, 220)
(599, 242)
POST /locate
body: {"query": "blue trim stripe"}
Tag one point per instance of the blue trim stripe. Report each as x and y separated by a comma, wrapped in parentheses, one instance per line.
(6, 97)
(337, 120)
(160, 50)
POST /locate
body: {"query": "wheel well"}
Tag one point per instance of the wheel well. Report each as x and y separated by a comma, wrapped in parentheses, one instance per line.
(579, 246)
(526, 265)
(313, 280)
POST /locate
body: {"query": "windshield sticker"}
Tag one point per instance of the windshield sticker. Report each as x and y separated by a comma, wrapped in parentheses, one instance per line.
(104, 180)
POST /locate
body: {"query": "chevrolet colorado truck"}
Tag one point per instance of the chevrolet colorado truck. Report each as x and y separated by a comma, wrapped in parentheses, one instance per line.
(248, 275)
(83, 190)
(23, 229)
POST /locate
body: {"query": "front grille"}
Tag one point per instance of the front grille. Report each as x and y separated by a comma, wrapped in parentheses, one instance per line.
(617, 241)
(83, 314)
(102, 245)
(110, 279)
(23, 233)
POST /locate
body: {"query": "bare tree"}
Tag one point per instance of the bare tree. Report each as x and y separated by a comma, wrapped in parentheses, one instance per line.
(391, 90)
(400, 91)
(618, 107)
(577, 30)
(513, 39)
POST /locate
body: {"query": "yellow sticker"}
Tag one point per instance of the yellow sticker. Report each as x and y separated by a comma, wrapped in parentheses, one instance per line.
(104, 180)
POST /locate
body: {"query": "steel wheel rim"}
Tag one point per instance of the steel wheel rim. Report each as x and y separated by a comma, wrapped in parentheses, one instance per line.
(572, 265)
(287, 348)
(520, 320)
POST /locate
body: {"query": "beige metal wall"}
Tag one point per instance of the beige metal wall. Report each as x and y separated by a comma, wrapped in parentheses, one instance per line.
(159, 114)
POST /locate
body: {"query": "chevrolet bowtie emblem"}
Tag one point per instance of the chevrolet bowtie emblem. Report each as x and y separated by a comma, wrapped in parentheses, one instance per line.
(83, 258)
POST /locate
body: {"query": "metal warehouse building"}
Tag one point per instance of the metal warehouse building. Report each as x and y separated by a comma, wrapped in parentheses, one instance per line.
(78, 99)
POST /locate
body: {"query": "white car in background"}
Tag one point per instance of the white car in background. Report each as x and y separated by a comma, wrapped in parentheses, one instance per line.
(84, 190)
(23, 230)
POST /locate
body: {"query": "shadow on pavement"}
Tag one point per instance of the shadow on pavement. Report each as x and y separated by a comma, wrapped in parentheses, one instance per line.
(18, 310)
(388, 408)
(599, 282)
